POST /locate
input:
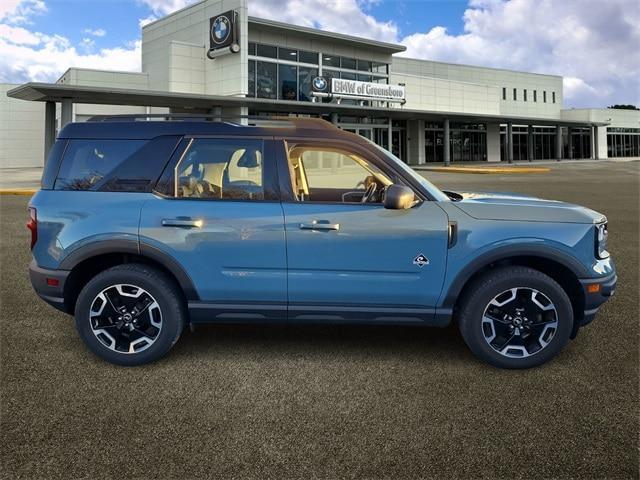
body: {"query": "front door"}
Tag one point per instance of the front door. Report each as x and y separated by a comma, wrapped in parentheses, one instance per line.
(348, 256)
(221, 221)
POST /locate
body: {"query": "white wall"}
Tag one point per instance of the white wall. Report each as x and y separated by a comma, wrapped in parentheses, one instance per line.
(21, 131)
(174, 52)
(437, 94)
(104, 78)
(612, 116)
(495, 78)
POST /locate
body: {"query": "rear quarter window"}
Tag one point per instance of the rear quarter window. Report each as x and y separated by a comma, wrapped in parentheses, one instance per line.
(114, 165)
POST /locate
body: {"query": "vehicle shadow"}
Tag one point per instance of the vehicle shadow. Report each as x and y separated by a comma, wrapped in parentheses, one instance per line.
(272, 340)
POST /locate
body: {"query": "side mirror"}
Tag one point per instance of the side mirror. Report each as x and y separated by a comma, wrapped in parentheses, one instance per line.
(398, 197)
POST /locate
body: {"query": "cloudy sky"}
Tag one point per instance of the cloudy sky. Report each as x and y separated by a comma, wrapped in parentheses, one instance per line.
(594, 44)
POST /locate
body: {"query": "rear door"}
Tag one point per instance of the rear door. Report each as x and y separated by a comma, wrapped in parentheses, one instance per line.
(219, 216)
(349, 260)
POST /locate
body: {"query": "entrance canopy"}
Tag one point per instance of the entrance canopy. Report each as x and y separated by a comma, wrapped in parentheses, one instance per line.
(69, 94)
(222, 106)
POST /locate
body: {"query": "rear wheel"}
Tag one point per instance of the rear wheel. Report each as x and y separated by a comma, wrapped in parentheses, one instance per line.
(130, 314)
(515, 317)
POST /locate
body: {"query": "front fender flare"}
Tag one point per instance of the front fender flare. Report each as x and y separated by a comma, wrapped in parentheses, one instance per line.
(450, 296)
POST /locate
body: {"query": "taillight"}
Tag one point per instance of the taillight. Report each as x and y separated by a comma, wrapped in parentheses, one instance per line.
(32, 225)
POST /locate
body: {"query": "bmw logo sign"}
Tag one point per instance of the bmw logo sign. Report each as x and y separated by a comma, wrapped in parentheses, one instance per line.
(220, 30)
(320, 84)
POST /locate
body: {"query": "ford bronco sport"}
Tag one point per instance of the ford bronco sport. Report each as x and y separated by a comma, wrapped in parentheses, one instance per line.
(144, 227)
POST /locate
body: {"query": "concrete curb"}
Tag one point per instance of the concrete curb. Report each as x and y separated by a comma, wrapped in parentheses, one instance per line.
(486, 170)
(17, 191)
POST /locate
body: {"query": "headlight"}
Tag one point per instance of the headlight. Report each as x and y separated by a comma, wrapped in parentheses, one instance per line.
(601, 241)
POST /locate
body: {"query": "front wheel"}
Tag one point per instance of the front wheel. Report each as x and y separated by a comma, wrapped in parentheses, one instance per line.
(130, 314)
(515, 317)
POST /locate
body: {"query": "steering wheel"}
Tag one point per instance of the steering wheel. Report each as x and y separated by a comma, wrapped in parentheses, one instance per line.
(369, 192)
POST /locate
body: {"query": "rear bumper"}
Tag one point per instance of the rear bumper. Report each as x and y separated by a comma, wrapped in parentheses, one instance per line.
(593, 301)
(42, 279)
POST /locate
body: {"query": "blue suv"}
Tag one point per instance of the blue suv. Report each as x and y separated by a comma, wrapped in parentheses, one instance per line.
(144, 227)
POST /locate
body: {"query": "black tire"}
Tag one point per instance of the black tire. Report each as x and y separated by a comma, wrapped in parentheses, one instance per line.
(502, 281)
(168, 305)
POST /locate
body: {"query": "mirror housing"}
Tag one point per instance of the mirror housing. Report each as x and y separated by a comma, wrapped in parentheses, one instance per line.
(398, 197)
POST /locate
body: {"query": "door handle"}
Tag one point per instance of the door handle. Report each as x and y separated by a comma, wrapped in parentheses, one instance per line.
(181, 222)
(320, 225)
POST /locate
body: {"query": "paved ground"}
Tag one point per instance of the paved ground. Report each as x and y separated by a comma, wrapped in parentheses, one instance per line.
(327, 402)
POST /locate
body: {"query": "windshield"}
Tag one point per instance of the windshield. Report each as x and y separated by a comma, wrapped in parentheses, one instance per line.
(435, 192)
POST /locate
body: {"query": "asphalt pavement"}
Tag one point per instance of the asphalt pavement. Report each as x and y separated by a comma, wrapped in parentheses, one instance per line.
(327, 401)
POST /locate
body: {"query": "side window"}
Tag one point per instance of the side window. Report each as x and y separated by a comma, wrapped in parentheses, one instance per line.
(221, 169)
(114, 165)
(87, 163)
(326, 174)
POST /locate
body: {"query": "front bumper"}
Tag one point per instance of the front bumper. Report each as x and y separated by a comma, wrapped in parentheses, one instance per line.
(43, 280)
(594, 300)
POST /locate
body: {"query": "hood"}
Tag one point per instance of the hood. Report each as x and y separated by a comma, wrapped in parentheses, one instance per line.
(513, 206)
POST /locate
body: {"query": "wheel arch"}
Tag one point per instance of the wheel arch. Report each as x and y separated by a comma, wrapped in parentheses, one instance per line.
(562, 268)
(86, 262)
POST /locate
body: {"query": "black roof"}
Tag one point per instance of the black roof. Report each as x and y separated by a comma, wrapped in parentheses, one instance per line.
(113, 128)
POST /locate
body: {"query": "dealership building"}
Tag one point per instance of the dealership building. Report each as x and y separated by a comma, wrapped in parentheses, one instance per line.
(212, 58)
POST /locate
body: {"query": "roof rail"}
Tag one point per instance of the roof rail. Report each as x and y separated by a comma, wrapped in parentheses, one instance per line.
(263, 121)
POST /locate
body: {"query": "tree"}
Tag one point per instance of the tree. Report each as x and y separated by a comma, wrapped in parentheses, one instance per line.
(624, 107)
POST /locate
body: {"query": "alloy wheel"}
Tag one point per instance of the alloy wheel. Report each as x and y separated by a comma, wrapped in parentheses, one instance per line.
(519, 322)
(125, 318)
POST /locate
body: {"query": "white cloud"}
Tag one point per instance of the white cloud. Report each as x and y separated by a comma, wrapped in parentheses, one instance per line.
(147, 20)
(343, 16)
(164, 7)
(98, 32)
(34, 56)
(49, 60)
(19, 35)
(593, 44)
(19, 11)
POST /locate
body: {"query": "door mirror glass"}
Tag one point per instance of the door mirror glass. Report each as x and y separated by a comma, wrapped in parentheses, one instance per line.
(398, 197)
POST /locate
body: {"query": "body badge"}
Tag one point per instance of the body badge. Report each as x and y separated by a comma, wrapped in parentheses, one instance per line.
(421, 260)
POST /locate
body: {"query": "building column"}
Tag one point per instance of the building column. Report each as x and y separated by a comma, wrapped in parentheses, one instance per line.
(558, 142)
(446, 148)
(49, 128)
(593, 140)
(334, 119)
(569, 144)
(66, 112)
(510, 142)
(416, 154)
(530, 143)
(390, 135)
(603, 148)
(493, 142)
(216, 113)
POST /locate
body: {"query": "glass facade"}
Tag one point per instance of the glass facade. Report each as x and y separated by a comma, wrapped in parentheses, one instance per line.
(623, 142)
(576, 143)
(286, 74)
(467, 142)
(544, 146)
(580, 144)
